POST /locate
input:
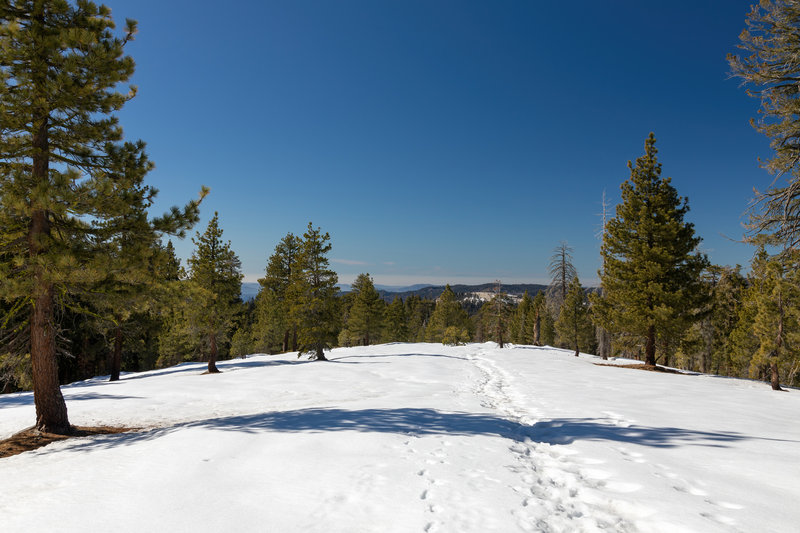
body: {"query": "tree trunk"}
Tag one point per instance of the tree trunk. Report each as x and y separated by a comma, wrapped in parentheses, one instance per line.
(774, 376)
(294, 339)
(285, 347)
(51, 410)
(537, 327)
(650, 347)
(212, 358)
(320, 353)
(116, 354)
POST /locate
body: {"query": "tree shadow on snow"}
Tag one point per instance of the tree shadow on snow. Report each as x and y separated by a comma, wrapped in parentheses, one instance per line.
(419, 422)
(569, 430)
(26, 398)
(407, 421)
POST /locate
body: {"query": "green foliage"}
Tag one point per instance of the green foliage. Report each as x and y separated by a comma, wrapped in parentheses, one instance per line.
(774, 300)
(70, 188)
(313, 296)
(708, 345)
(651, 277)
(574, 326)
(365, 321)
(521, 324)
(274, 331)
(448, 312)
(418, 311)
(396, 321)
(495, 316)
(211, 295)
(455, 336)
(770, 65)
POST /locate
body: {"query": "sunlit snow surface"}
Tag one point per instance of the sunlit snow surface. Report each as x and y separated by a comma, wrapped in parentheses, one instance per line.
(412, 438)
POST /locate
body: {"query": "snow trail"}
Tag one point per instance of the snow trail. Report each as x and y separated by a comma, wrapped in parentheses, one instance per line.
(553, 490)
(413, 438)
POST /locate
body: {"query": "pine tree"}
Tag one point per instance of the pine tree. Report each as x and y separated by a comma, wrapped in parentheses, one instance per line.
(548, 329)
(448, 315)
(651, 277)
(272, 305)
(418, 311)
(366, 318)
(216, 283)
(772, 47)
(573, 324)
(521, 324)
(775, 296)
(396, 321)
(68, 184)
(496, 314)
(313, 296)
(539, 312)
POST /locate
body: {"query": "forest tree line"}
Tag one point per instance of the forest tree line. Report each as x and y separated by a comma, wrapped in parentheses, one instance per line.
(89, 282)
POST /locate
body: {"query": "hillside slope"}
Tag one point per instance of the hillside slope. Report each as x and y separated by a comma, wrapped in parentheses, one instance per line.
(412, 437)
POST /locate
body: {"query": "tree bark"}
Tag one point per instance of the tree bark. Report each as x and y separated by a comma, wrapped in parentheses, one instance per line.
(286, 340)
(774, 376)
(212, 358)
(51, 410)
(537, 327)
(116, 355)
(650, 347)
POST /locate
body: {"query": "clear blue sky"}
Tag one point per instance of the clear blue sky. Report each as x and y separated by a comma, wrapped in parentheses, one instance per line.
(440, 141)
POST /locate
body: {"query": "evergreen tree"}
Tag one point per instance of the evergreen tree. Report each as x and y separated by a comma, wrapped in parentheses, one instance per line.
(272, 304)
(547, 335)
(68, 184)
(313, 296)
(651, 277)
(396, 321)
(775, 297)
(573, 324)
(522, 321)
(418, 311)
(216, 283)
(771, 46)
(448, 314)
(539, 312)
(366, 317)
(496, 314)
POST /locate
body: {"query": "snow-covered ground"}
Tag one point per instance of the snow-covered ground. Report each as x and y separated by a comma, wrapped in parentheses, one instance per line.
(412, 438)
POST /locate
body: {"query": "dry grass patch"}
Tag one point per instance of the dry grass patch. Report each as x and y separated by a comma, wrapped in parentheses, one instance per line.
(641, 366)
(31, 438)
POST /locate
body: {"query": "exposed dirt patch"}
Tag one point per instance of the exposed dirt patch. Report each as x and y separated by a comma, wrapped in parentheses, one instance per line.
(649, 368)
(31, 439)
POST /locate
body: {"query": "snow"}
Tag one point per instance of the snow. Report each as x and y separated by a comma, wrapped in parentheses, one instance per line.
(412, 437)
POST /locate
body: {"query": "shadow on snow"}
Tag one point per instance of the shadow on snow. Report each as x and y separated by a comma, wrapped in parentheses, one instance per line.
(420, 422)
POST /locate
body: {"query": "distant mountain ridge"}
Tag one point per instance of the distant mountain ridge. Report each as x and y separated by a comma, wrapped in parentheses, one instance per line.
(431, 292)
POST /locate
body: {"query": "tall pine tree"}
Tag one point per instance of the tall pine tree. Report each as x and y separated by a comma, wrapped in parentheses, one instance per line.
(216, 283)
(68, 183)
(366, 318)
(651, 276)
(272, 305)
(573, 325)
(313, 296)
